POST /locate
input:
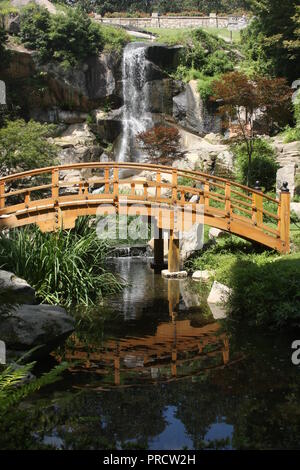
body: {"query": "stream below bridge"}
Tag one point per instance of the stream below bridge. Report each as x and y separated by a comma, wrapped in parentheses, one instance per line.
(154, 370)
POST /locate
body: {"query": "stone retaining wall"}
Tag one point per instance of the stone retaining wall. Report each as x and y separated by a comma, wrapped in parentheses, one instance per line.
(176, 22)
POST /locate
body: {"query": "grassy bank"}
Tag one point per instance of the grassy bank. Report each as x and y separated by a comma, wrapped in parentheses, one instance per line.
(266, 287)
(178, 36)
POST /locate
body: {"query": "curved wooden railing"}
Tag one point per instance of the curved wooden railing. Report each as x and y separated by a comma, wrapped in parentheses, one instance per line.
(52, 198)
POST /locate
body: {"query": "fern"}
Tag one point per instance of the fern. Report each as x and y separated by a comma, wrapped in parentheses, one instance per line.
(12, 388)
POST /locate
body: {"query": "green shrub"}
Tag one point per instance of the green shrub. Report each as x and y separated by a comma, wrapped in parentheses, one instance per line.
(263, 165)
(203, 55)
(218, 62)
(66, 268)
(205, 86)
(25, 145)
(67, 38)
(265, 285)
(292, 134)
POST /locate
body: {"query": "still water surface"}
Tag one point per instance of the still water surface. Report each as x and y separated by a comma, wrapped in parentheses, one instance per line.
(152, 369)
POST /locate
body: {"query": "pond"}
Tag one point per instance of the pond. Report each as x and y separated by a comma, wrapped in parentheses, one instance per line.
(152, 369)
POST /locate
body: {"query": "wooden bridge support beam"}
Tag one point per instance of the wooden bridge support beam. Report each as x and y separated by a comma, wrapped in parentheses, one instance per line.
(173, 255)
(158, 252)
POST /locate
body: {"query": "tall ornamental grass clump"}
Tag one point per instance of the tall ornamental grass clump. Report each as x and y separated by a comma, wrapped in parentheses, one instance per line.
(66, 268)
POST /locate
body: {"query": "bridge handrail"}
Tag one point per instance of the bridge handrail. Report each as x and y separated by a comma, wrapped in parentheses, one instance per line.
(129, 165)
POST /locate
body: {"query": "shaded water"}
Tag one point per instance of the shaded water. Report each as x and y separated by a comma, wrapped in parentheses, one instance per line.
(154, 370)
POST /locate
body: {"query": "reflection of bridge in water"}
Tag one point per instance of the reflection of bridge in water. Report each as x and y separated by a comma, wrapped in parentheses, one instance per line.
(176, 350)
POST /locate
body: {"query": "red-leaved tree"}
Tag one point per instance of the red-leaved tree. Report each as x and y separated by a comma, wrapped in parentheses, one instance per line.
(161, 143)
(243, 101)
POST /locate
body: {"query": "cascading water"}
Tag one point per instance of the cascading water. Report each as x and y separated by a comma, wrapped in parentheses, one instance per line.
(136, 115)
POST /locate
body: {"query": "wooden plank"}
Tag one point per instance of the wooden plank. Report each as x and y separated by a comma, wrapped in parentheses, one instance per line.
(257, 208)
(174, 186)
(173, 255)
(285, 202)
(2, 195)
(55, 185)
(106, 177)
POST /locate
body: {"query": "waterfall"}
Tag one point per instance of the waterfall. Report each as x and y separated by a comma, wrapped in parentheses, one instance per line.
(136, 115)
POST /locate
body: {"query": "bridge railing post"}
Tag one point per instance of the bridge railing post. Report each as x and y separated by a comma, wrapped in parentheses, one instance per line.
(206, 193)
(2, 193)
(55, 181)
(116, 187)
(285, 214)
(227, 198)
(257, 206)
(106, 179)
(174, 186)
(158, 187)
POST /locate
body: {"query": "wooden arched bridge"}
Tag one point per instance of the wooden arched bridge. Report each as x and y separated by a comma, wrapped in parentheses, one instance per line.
(54, 197)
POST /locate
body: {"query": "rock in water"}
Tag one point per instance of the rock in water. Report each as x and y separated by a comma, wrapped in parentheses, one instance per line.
(28, 326)
(219, 293)
(15, 289)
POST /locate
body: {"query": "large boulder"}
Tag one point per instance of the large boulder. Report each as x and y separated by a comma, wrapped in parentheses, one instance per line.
(192, 112)
(163, 56)
(78, 145)
(202, 154)
(295, 207)
(108, 124)
(217, 233)
(217, 299)
(15, 290)
(203, 276)
(286, 154)
(286, 174)
(219, 294)
(28, 326)
(191, 241)
(81, 88)
(160, 93)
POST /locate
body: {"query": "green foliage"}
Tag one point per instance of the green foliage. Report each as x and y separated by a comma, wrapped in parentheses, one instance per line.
(137, 7)
(265, 285)
(66, 268)
(292, 134)
(114, 39)
(205, 86)
(14, 389)
(263, 164)
(25, 145)
(204, 57)
(217, 63)
(67, 38)
(271, 42)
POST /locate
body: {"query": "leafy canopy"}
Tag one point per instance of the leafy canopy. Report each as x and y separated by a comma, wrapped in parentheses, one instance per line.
(24, 146)
(68, 38)
(263, 166)
(271, 42)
